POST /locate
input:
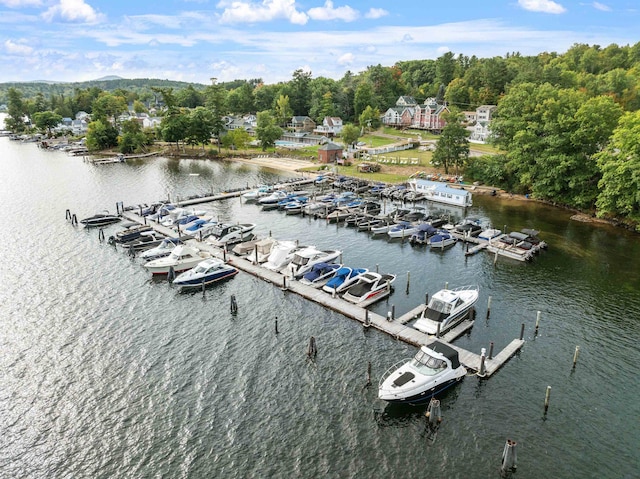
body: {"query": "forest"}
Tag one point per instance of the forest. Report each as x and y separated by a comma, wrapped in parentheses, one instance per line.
(567, 124)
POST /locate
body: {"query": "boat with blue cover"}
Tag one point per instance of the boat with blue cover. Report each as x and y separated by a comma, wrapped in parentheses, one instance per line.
(206, 272)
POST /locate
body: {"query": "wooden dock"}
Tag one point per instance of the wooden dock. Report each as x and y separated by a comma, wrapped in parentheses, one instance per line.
(397, 328)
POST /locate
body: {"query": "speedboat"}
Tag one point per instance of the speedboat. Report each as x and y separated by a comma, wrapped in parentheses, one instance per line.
(227, 234)
(370, 286)
(442, 239)
(260, 192)
(146, 240)
(100, 219)
(489, 234)
(343, 279)
(262, 250)
(305, 258)
(205, 272)
(433, 369)
(182, 258)
(246, 247)
(281, 255)
(446, 308)
(131, 231)
(163, 249)
(200, 228)
(470, 226)
(320, 274)
(404, 229)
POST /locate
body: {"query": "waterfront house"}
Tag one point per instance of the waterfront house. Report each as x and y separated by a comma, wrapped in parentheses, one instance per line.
(301, 123)
(329, 153)
(331, 126)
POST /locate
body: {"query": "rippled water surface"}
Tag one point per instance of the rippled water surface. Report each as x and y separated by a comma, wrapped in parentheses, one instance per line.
(105, 372)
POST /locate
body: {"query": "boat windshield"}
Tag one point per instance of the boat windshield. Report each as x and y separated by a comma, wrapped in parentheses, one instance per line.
(300, 260)
(440, 306)
(427, 365)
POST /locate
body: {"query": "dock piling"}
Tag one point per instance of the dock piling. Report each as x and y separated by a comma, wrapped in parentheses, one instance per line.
(368, 375)
(433, 414)
(482, 372)
(74, 220)
(101, 235)
(488, 307)
(509, 457)
(366, 323)
(575, 356)
(234, 304)
(408, 281)
(490, 350)
(547, 397)
(522, 332)
(276, 325)
(171, 274)
(438, 331)
(312, 349)
(535, 332)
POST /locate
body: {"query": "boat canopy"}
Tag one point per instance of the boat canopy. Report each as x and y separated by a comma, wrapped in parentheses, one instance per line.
(447, 351)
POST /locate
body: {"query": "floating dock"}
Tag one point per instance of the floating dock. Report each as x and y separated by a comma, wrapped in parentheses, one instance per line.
(396, 328)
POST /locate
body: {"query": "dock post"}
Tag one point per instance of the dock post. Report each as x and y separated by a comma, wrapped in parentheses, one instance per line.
(446, 285)
(547, 396)
(377, 268)
(509, 457)
(575, 356)
(433, 413)
(255, 255)
(482, 372)
(393, 312)
(490, 350)
(74, 220)
(67, 215)
(312, 349)
(438, 331)
(537, 323)
(203, 288)
(366, 323)
(408, 280)
(234, 305)
(276, 325)
(426, 299)
(171, 274)
(101, 235)
(284, 283)
(368, 374)
(495, 258)
(488, 307)
(522, 332)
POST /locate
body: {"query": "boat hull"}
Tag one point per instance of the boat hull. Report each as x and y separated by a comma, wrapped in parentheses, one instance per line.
(197, 282)
(423, 396)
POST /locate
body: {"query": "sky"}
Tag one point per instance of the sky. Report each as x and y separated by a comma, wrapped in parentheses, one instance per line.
(197, 40)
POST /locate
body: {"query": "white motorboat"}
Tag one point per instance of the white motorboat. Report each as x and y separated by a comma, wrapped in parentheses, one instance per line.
(446, 309)
(370, 286)
(320, 274)
(433, 369)
(246, 247)
(442, 239)
(304, 259)
(489, 234)
(404, 229)
(343, 279)
(261, 251)
(281, 255)
(228, 234)
(182, 258)
(162, 250)
(205, 272)
(260, 192)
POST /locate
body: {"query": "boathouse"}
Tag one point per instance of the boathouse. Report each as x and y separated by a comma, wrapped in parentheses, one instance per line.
(329, 153)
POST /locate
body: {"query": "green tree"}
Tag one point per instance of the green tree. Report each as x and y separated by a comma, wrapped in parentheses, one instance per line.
(620, 165)
(299, 91)
(350, 134)
(200, 126)
(267, 130)
(46, 120)
(282, 110)
(17, 111)
(101, 135)
(132, 138)
(369, 118)
(189, 97)
(452, 148)
(108, 107)
(363, 98)
(236, 139)
(175, 127)
(138, 107)
(216, 102)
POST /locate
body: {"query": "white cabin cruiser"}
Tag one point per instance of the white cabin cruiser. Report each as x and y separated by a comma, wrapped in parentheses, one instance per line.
(182, 258)
(369, 287)
(281, 255)
(205, 272)
(446, 308)
(433, 369)
(304, 259)
(162, 250)
(228, 234)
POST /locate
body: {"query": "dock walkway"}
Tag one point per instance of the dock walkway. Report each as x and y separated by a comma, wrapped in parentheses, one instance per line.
(396, 328)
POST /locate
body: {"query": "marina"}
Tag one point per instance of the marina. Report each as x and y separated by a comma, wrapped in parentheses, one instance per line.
(110, 370)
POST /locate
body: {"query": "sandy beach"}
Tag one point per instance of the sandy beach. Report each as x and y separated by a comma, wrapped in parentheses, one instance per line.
(280, 163)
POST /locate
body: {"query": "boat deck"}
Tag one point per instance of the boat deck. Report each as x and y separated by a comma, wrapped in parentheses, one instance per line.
(396, 328)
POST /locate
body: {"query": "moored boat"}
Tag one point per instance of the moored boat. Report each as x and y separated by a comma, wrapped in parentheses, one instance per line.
(305, 258)
(205, 272)
(434, 368)
(343, 279)
(369, 287)
(446, 309)
(320, 274)
(100, 219)
(181, 258)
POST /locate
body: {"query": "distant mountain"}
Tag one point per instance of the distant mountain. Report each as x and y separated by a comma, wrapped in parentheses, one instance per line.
(109, 77)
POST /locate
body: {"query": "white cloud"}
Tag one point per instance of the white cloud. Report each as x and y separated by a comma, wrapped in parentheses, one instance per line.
(20, 3)
(346, 59)
(328, 12)
(407, 38)
(442, 50)
(251, 12)
(13, 48)
(601, 6)
(72, 11)
(375, 13)
(544, 6)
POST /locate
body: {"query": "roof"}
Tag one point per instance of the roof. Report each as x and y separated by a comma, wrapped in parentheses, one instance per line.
(330, 147)
(447, 351)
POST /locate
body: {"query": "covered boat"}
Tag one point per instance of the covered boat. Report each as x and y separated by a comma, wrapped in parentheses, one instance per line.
(182, 258)
(100, 219)
(205, 272)
(442, 239)
(320, 274)
(446, 308)
(433, 369)
(343, 279)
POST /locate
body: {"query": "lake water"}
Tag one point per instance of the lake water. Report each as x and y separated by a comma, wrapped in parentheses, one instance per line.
(106, 372)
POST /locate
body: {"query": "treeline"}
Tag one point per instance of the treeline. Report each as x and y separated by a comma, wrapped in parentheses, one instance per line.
(563, 120)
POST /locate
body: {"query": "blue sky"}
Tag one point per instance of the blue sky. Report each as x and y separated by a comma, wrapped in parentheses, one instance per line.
(195, 40)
